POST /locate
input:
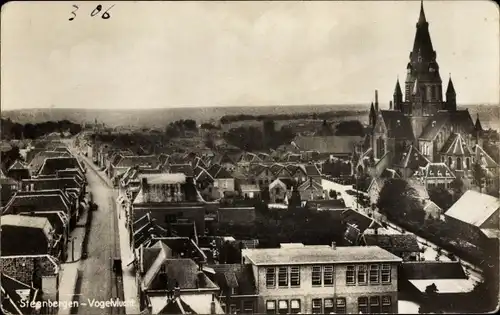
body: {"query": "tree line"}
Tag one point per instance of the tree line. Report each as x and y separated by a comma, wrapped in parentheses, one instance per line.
(14, 130)
(251, 138)
(226, 119)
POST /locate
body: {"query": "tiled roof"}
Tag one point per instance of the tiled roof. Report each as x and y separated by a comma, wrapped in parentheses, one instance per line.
(328, 144)
(326, 204)
(456, 145)
(312, 170)
(393, 242)
(249, 188)
(57, 219)
(27, 221)
(435, 125)
(52, 165)
(318, 254)
(474, 208)
(433, 270)
(238, 276)
(310, 185)
(398, 125)
(276, 168)
(202, 174)
(138, 160)
(38, 160)
(36, 201)
(410, 158)
(358, 220)
(52, 183)
(462, 118)
(18, 165)
(257, 169)
(163, 178)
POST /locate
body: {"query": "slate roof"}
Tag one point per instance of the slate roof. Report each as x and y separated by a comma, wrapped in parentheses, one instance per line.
(434, 270)
(52, 183)
(176, 306)
(410, 158)
(137, 160)
(310, 185)
(393, 242)
(462, 118)
(474, 208)
(257, 169)
(318, 254)
(328, 144)
(483, 157)
(456, 145)
(312, 170)
(398, 125)
(39, 159)
(18, 165)
(52, 165)
(434, 126)
(37, 201)
(237, 276)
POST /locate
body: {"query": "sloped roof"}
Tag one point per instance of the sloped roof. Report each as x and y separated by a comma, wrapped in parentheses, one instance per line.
(15, 292)
(456, 145)
(484, 158)
(310, 185)
(39, 159)
(138, 160)
(163, 178)
(18, 165)
(185, 169)
(410, 158)
(52, 165)
(257, 169)
(37, 201)
(202, 174)
(238, 276)
(28, 222)
(434, 126)
(53, 183)
(474, 208)
(328, 144)
(312, 170)
(398, 125)
(435, 170)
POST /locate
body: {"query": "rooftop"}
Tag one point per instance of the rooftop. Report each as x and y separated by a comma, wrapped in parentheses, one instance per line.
(318, 255)
(474, 208)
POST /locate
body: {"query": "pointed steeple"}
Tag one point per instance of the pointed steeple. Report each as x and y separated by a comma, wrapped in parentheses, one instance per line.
(373, 116)
(451, 89)
(478, 126)
(397, 89)
(421, 18)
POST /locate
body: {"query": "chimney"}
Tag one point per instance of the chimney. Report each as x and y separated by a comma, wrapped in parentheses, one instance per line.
(334, 245)
(212, 305)
(376, 100)
(390, 105)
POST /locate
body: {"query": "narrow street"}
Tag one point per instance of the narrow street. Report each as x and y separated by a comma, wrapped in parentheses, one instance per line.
(98, 280)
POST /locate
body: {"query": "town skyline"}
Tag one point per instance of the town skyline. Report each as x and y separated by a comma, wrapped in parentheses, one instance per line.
(295, 45)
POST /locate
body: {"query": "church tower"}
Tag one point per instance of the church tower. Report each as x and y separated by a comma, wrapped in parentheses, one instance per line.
(423, 85)
(398, 96)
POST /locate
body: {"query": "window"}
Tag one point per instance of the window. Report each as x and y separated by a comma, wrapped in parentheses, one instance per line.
(248, 307)
(374, 304)
(386, 273)
(295, 306)
(283, 276)
(163, 270)
(316, 276)
(340, 306)
(350, 275)
(328, 275)
(363, 305)
(362, 274)
(271, 307)
(386, 304)
(233, 309)
(374, 273)
(295, 277)
(328, 303)
(316, 306)
(270, 277)
(283, 307)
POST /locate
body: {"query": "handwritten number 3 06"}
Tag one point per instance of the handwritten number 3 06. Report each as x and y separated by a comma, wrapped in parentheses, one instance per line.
(94, 12)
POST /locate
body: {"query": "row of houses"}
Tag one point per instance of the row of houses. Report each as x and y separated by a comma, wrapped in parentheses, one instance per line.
(42, 199)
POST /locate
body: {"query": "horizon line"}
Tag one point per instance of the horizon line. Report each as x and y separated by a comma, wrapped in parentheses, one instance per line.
(214, 106)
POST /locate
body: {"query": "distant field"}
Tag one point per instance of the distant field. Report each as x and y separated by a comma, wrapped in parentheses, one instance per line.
(159, 118)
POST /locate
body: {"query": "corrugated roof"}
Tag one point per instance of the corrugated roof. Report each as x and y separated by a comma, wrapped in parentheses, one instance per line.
(474, 208)
(318, 255)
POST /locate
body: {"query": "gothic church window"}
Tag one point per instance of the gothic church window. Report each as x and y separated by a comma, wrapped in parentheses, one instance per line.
(459, 163)
(450, 161)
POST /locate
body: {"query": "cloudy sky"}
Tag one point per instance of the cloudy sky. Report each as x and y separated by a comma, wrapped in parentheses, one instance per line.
(174, 54)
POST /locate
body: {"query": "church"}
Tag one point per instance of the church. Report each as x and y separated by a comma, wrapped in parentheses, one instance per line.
(422, 126)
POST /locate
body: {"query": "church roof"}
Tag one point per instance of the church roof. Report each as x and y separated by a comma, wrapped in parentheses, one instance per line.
(398, 125)
(397, 89)
(422, 44)
(451, 88)
(456, 145)
(434, 126)
(410, 158)
(484, 158)
(478, 126)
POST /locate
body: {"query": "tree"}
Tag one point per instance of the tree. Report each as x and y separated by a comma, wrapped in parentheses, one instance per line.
(294, 201)
(332, 194)
(441, 197)
(458, 188)
(9, 157)
(350, 128)
(397, 200)
(479, 174)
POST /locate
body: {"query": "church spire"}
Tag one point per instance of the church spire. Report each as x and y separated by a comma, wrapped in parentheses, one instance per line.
(451, 89)
(421, 18)
(478, 126)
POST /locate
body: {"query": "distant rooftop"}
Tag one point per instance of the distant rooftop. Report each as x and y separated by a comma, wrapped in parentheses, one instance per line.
(318, 254)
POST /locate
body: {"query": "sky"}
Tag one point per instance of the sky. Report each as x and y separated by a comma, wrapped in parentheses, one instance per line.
(177, 54)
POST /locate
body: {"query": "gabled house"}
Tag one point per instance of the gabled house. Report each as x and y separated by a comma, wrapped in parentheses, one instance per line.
(18, 298)
(223, 180)
(39, 159)
(55, 183)
(162, 277)
(250, 191)
(260, 174)
(356, 224)
(120, 163)
(298, 172)
(238, 292)
(18, 171)
(41, 271)
(278, 192)
(26, 235)
(406, 162)
(51, 165)
(435, 175)
(8, 187)
(205, 184)
(311, 190)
